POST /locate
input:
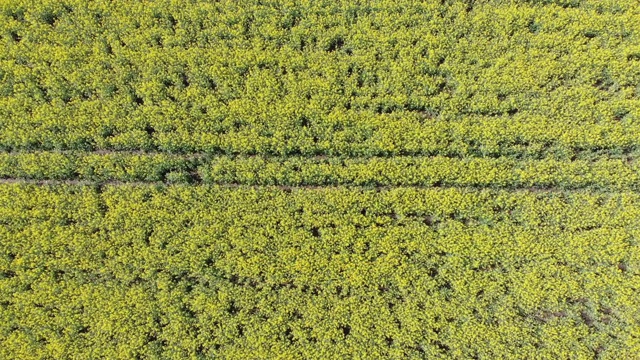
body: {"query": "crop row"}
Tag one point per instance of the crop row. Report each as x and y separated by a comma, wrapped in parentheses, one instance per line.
(201, 271)
(334, 78)
(599, 173)
(356, 135)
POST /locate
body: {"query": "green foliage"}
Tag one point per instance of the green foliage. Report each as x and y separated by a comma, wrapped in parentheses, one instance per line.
(335, 78)
(198, 272)
(603, 174)
(598, 173)
(94, 167)
(175, 177)
(452, 179)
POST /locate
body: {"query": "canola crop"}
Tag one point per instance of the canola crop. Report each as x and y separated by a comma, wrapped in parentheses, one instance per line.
(334, 78)
(198, 271)
(597, 173)
(447, 179)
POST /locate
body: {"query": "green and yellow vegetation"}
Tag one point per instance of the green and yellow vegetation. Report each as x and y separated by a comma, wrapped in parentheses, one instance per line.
(277, 179)
(196, 271)
(598, 173)
(321, 77)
